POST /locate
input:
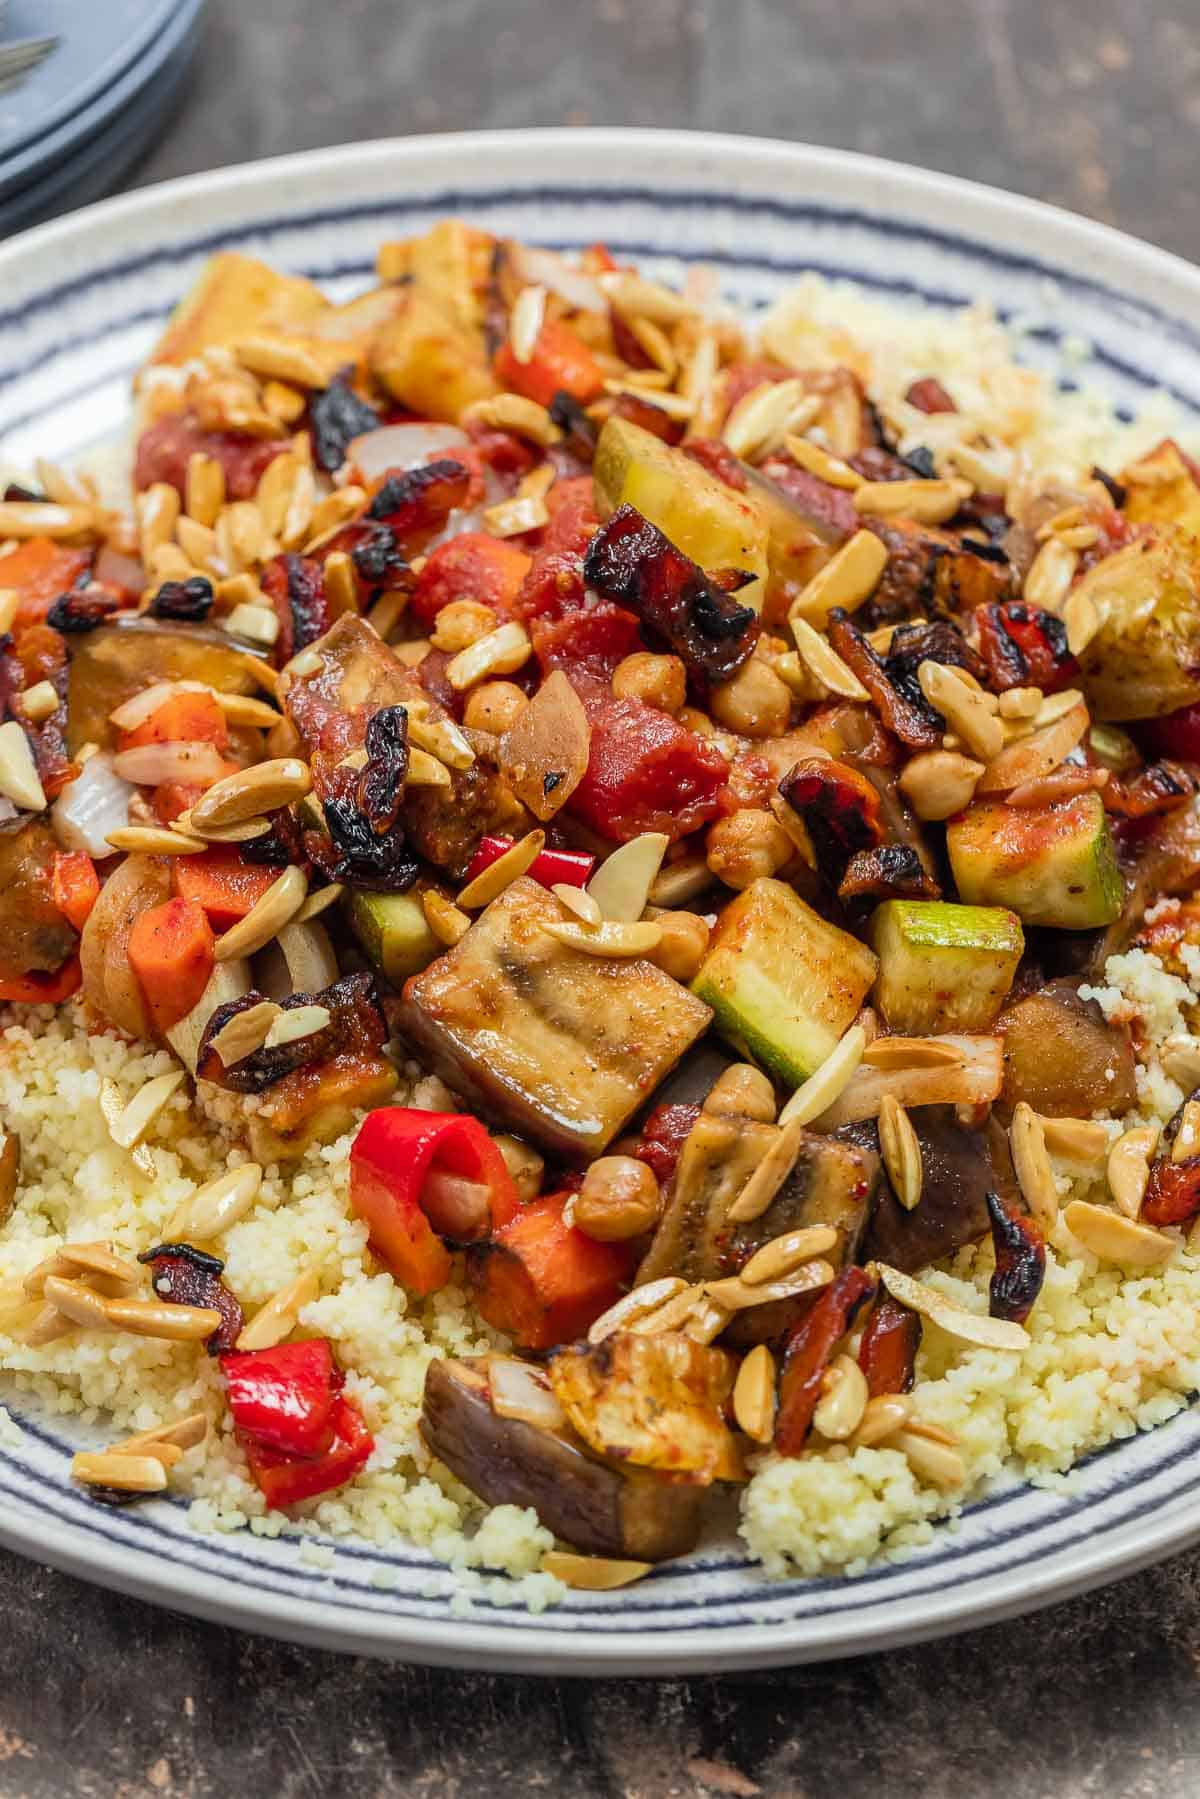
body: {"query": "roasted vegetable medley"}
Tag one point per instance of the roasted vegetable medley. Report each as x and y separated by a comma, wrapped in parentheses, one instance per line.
(729, 781)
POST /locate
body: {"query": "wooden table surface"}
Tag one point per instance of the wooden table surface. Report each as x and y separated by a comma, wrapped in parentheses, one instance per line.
(1091, 103)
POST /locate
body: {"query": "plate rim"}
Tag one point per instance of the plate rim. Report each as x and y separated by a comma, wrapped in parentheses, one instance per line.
(1083, 249)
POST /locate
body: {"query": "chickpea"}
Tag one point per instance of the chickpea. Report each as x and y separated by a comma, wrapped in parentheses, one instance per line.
(743, 1091)
(684, 944)
(460, 624)
(494, 706)
(696, 721)
(747, 846)
(524, 1164)
(619, 1198)
(658, 680)
(755, 702)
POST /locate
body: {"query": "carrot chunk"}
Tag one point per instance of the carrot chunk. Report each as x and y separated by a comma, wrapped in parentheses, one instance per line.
(171, 953)
(75, 885)
(222, 884)
(542, 1281)
(184, 718)
(561, 363)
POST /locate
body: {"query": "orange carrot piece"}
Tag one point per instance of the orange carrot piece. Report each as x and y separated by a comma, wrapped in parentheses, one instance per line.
(171, 953)
(40, 570)
(561, 363)
(75, 885)
(221, 884)
(543, 1282)
(184, 718)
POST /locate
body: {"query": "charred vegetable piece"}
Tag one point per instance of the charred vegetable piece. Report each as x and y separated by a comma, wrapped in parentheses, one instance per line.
(429, 361)
(652, 1401)
(716, 1160)
(261, 1069)
(415, 505)
(890, 871)
(630, 561)
(919, 726)
(318, 1101)
(84, 608)
(599, 1508)
(932, 570)
(38, 571)
(962, 1164)
(1171, 496)
(808, 1351)
(111, 665)
(799, 543)
(34, 935)
(784, 984)
(1172, 1193)
(1162, 787)
(1064, 1058)
(706, 520)
(295, 586)
(887, 1354)
(540, 1280)
(509, 1015)
(943, 967)
(840, 809)
(1023, 646)
(185, 1276)
(932, 640)
(1051, 865)
(336, 415)
(1020, 1262)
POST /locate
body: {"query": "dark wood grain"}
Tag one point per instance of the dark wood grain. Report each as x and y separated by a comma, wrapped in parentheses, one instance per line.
(1091, 103)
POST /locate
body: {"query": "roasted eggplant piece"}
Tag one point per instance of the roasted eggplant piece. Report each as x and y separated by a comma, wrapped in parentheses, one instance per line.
(1064, 1058)
(598, 1508)
(111, 664)
(962, 1165)
(34, 935)
(932, 570)
(562, 1046)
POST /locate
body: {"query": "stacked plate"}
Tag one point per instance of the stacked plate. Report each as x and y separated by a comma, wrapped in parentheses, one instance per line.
(84, 87)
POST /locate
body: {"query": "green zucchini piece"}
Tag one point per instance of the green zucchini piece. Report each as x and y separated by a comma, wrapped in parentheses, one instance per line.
(1051, 865)
(943, 967)
(784, 984)
(393, 932)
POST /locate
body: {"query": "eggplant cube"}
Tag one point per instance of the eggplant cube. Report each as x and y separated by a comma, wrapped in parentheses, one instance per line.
(560, 1045)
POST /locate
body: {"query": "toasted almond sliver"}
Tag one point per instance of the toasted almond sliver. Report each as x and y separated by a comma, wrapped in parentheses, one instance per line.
(525, 322)
(622, 884)
(827, 468)
(113, 1107)
(844, 1396)
(259, 623)
(277, 1319)
(251, 792)
(137, 1117)
(425, 770)
(954, 1319)
(1031, 1164)
(39, 702)
(670, 1315)
(824, 663)
(1083, 1140)
(49, 1325)
(737, 1295)
(19, 779)
(638, 1304)
(245, 832)
(936, 1463)
(319, 902)
(266, 918)
(216, 1205)
(125, 1473)
(78, 1302)
(821, 1089)
(441, 737)
(910, 1052)
(1186, 1142)
(507, 868)
(513, 412)
(592, 1573)
(245, 1032)
(754, 1395)
(447, 922)
(764, 414)
(681, 882)
(501, 652)
(84, 1261)
(578, 902)
(886, 1413)
(1180, 1057)
(928, 502)
(290, 1025)
(1114, 1238)
(966, 710)
(181, 1434)
(170, 1323)
(777, 1259)
(1128, 1167)
(608, 939)
(768, 1177)
(847, 580)
(1050, 575)
(901, 1152)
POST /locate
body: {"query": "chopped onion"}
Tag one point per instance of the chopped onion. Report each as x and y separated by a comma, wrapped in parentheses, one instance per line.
(144, 705)
(552, 737)
(519, 1391)
(229, 981)
(457, 524)
(152, 763)
(544, 268)
(974, 1079)
(402, 447)
(122, 571)
(89, 807)
(308, 952)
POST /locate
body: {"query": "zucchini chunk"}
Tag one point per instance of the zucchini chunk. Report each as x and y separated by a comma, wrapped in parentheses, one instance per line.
(394, 933)
(943, 967)
(1051, 865)
(561, 1045)
(784, 984)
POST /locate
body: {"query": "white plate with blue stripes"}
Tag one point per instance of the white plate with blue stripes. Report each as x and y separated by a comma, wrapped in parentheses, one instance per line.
(80, 303)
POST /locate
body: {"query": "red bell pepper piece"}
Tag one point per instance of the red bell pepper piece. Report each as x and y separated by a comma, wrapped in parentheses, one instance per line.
(541, 1280)
(396, 1151)
(569, 868)
(1178, 734)
(888, 1352)
(284, 1398)
(286, 1480)
(806, 1354)
(75, 885)
(39, 989)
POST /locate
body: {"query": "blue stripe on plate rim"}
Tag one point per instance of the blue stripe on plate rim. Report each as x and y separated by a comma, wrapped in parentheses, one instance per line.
(1039, 1521)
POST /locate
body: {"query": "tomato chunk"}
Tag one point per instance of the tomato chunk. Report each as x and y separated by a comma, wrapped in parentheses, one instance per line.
(646, 772)
(164, 448)
(471, 567)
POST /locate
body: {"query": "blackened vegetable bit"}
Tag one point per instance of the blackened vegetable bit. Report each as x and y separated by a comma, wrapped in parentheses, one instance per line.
(336, 416)
(185, 1276)
(1020, 1261)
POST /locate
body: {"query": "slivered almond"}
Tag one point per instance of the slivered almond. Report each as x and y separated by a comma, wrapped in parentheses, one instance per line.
(824, 663)
(638, 1304)
(1050, 575)
(754, 1395)
(692, 1311)
(762, 417)
(319, 902)
(928, 502)
(844, 1396)
(155, 840)
(525, 322)
(847, 580)
(95, 1263)
(882, 1416)
(259, 623)
(180, 1434)
(935, 1463)
(124, 1473)
(969, 1327)
(1031, 1164)
(1083, 1140)
(245, 1032)
(204, 489)
(447, 921)
(78, 1302)
(266, 918)
(592, 1573)
(501, 652)
(1128, 1167)
(278, 1318)
(579, 902)
(968, 712)
(901, 1151)
(1037, 755)
(218, 1204)
(499, 874)
(777, 1259)
(296, 1022)
(622, 884)
(513, 412)
(819, 462)
(737, 1295)
(635, 296)
(251, 792)
(166, 1322)
(441, 737)
(1114, 1238)
(1186, 1143)
(821, 1089)
(770, 1173)
(910, 1052)
(137, 1117)
(608, 939)
(19, 780)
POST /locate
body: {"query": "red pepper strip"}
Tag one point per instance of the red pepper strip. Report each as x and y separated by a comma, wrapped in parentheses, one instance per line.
(1020, 1262)
(286, 1480)
(570, 868)
(394, 1153)
(806, 1354)
(888, 1352)
(1172, 1192)
(283, 1398)
(42, 989)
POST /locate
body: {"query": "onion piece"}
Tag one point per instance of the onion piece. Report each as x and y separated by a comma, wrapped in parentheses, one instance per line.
(122, 571)
(230, 980)
(520, 1391)
(152, 763)
(308, 952)
(402, 447)
(89, 807)
(545, 755)
(545, 268)
(109, 983)
(974, 1078)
